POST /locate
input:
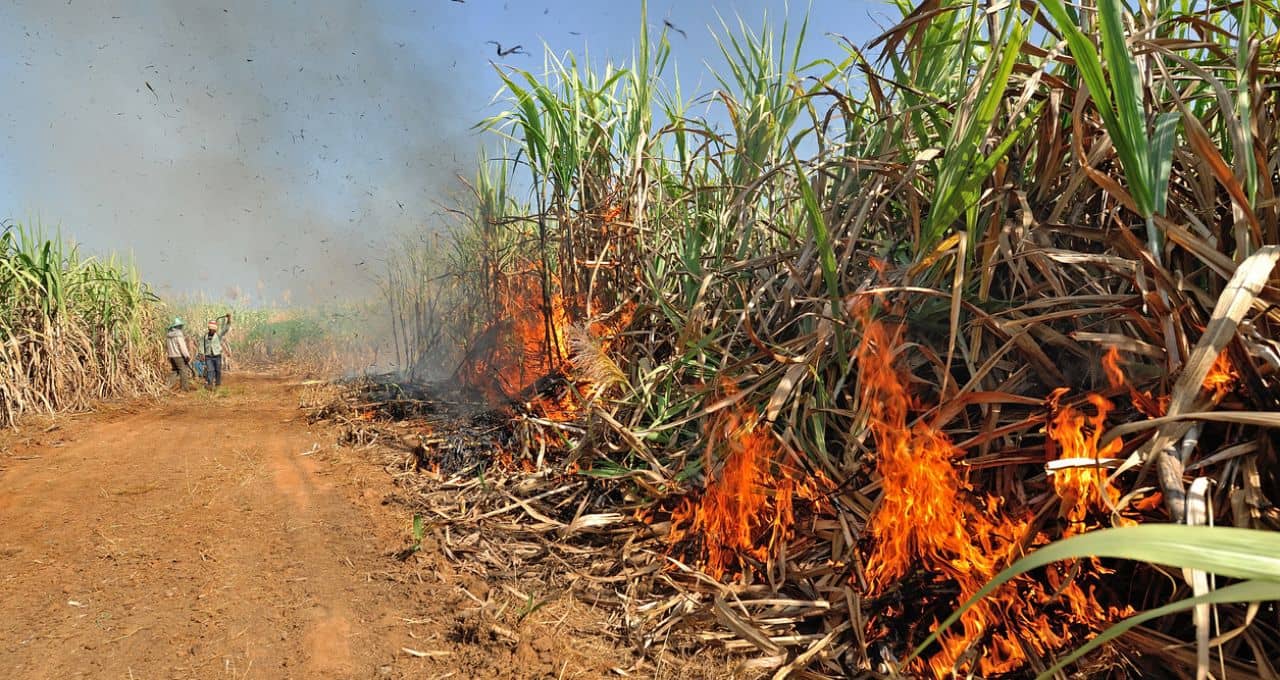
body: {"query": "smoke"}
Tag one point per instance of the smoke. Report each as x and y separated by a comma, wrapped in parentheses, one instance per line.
(262, 148)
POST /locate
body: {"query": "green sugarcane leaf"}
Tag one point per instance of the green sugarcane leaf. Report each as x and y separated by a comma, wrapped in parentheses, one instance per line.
(818, 224)
(957, 179)
(1244, 101)
(1162, 159)
(1090, 68)
(1126, 84)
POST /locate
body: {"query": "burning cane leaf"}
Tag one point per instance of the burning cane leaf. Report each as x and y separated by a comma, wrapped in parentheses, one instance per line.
(1225, 551)
(1245, 286)
(1255, 590)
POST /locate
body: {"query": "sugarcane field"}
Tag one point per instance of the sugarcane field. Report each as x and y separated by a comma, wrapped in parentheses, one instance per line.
(875, 339)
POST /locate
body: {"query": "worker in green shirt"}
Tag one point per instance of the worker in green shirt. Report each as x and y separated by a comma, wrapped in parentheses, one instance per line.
(211, 349)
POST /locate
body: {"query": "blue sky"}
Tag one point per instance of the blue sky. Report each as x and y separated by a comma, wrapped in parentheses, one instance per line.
(272, 147)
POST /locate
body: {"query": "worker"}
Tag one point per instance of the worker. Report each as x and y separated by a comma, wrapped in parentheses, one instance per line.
(175, 343)
(211, 350)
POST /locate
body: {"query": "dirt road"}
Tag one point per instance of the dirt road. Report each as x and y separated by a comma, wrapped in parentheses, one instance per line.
(194, 539)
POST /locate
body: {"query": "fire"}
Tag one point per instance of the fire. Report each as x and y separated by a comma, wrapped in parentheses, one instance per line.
(1111, 367)
(528, 340)
(1083, 488)
(1143, 401)
(1221, 378)
(926, 517)
(611, 214)
(929, 520)
(527, 351)
(589, 371)
(747, 509)
(534, 360)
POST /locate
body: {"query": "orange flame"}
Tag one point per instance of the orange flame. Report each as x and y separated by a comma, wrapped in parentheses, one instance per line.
(1221, 378)
(929, 520)
(530, 341)
(520, 347)
(747, 509)
(1143, 401)
(926, 519)
(1111, 367)
(1083, 488)
(611, 214)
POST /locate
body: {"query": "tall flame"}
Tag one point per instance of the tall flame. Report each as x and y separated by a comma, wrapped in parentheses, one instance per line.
(747, 508)
(929, 520)
(533, 338)
(926, 519)
(1083, 488)
(527, 341)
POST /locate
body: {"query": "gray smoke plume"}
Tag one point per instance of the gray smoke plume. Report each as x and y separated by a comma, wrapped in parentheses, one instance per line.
(265, 148)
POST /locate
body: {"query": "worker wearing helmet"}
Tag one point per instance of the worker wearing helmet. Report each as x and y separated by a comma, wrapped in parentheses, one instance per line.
(175, 344)
(211, 349)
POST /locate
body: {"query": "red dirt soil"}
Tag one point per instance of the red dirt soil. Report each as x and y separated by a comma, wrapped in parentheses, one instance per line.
(223, 536)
